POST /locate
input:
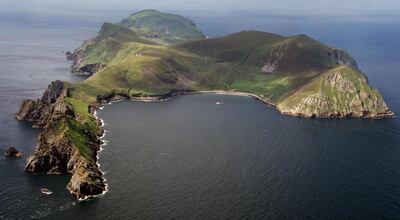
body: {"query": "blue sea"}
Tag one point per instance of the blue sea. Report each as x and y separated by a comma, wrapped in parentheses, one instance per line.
(188, 158)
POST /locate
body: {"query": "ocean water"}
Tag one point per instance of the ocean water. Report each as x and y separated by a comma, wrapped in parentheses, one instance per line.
(188, 158)
(31, 56)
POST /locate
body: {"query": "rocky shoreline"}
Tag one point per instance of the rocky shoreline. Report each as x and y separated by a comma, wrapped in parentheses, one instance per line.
(365, 115)
(76, 65)
(339, 115)
(56, 152)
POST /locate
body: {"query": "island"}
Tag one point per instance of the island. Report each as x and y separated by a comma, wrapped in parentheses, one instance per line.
(152, 55)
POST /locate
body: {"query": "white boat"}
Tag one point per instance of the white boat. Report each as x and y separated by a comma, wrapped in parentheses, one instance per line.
(219, 103)
(46, 191)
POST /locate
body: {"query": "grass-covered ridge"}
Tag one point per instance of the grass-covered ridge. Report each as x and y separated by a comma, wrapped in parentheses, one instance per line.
(341, 91)
(280, 69)
(77, 123)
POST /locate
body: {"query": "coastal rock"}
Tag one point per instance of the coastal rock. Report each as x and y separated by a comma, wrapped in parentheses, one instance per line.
(69, 55)
(55, 90)
(341, 92)
(86, 179)
(57, 151)
(78, 56)
(91, 69)
(77, 59)
(40, 111)
(13, 152)
(341, 57)
(51, 155)
(34, 111)
(55, 154)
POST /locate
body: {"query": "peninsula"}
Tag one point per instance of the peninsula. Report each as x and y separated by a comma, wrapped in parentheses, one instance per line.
(153, 55)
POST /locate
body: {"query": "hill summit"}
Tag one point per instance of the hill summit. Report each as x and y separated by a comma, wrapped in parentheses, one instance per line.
(162, 27)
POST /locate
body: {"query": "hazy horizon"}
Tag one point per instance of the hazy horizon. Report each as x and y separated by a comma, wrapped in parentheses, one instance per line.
(293, 7)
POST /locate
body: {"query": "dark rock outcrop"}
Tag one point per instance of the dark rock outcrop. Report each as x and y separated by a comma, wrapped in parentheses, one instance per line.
(341, 57)
(90, 69)
(69, 55)
(78, 56)
(55, 90)
(77, 65)
(76, 59)
(13, 152)
(40, 111)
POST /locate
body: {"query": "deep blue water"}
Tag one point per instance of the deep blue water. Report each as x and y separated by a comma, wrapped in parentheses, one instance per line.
(187, 158)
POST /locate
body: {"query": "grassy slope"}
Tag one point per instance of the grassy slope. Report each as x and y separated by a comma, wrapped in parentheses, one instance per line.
(139, 67)
(339, 91)
(79, 128)
(232, 63)
(254, 48)
(107, 43)
(235, 47)
(162, 27)
(156, 69)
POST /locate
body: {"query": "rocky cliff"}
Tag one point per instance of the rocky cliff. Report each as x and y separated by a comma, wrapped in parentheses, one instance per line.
(78, 66)
(340, 92)
(69, 143)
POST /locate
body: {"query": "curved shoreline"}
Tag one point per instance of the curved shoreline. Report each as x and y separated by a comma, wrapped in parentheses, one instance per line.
(160, 98)
(151, 99)
(166, 97)
(235, 93)
(269, 103)
(100, 105)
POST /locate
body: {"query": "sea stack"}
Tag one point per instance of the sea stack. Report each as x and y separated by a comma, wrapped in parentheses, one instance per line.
(13, 152)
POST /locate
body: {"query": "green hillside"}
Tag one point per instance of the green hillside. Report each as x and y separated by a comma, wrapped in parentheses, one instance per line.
(162, 27)
(338, 92)
(136, 59)
(298, 74)
(263, 63)
(277, 68)
(283, 54)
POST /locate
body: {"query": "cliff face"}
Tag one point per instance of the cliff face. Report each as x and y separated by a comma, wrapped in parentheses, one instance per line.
(40, 111)
(77, 58)
(340, 92)
(341, 57)
(60, 148)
